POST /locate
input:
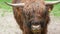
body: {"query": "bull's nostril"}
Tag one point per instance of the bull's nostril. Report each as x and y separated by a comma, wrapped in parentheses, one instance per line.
(36, 27)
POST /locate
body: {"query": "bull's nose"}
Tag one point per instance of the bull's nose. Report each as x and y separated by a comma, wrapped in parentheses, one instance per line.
(36, 27)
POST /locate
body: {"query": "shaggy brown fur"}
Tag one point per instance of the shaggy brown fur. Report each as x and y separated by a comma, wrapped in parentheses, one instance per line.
(33, 10)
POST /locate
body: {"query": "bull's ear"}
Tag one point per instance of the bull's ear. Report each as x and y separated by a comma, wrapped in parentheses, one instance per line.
(49, 7)
(50, 4)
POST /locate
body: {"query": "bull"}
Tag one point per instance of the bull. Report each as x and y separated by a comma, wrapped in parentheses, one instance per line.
(32, 15)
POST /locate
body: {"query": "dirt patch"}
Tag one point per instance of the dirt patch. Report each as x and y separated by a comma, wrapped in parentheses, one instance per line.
(8, 25)
(54, 26)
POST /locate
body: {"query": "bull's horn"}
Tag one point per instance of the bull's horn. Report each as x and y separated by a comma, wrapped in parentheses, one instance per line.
(22, 4)
(52, 2)
(15, 5)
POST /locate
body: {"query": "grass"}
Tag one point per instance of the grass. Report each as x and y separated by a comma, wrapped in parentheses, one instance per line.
(55, 11)
(4, 6)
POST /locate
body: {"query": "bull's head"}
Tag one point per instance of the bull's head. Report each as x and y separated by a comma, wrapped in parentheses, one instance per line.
(37, 20)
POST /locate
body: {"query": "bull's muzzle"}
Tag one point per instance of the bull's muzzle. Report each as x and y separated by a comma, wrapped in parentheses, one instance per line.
(36, 28)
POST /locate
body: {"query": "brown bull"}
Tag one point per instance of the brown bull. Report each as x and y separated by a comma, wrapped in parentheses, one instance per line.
(32, 15)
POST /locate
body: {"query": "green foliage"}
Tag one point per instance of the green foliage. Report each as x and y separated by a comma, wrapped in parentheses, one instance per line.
(4, 6)
(56, 10)
(5, 0)
(50, 0)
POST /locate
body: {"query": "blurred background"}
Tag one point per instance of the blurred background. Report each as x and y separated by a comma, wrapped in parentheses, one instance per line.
(8, 24)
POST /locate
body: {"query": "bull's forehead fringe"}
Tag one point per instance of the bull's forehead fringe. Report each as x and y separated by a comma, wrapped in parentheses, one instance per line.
(34, 5)
(33, 9)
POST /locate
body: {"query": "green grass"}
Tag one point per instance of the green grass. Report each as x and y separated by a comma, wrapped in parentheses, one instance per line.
(50, 0)
(55, 11)
(4, 6)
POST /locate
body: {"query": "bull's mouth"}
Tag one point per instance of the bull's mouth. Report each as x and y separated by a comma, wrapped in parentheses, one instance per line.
(36, 31)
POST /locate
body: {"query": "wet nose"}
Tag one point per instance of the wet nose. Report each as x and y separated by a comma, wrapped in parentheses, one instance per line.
(36, 27)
